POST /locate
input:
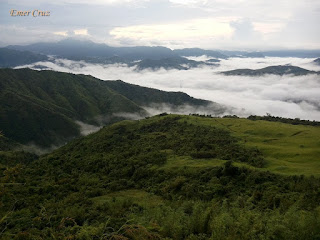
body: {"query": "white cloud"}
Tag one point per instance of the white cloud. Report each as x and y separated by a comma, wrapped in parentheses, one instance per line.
(86, 129)
(14, 34)
(192, 30)
(81, 32)
(268, 27)
(286, 96)
(61, 33)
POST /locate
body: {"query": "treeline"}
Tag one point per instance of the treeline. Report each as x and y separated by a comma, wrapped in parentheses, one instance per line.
(295, 121)
(268, 117)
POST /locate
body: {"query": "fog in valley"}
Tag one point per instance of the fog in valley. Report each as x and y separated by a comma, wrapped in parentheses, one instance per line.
(285, 96)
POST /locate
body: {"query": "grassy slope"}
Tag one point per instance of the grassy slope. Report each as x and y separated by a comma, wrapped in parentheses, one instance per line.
(288, 149)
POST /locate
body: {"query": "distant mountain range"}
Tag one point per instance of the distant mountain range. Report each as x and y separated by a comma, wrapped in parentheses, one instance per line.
(179, 63)
(293, 53)
(274, 53)
(317, 61)
(139, 57)
(13, 58)
(275, 70)
(45, 107)
(196, 52)
(77, 49)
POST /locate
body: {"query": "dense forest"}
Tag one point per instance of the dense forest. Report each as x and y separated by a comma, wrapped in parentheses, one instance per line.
(164, 177)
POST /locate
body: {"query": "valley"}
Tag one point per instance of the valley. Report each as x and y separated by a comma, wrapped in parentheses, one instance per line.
(86, 157)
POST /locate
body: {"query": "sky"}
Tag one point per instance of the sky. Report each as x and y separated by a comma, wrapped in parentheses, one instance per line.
(216, 24)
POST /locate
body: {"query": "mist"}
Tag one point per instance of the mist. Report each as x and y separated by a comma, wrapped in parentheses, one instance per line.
(285, 96)
(211, 109)
(86, 129)
(36, 149)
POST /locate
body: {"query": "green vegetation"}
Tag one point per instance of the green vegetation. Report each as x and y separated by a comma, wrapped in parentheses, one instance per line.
(7, 144)
(41, 107)
(295, 121)
(288, 149)
(168, 177)
(144, 96)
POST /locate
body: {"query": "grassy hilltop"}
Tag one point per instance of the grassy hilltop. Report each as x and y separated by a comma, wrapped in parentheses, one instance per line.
(288, 149)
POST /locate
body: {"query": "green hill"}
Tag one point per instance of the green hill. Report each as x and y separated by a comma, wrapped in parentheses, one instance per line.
(42, 107)
(170, 177)
(144, 96)
(288, 149)
(179, 63)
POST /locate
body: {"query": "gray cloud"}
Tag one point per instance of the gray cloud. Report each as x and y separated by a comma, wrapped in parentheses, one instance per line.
(31, 147)
(256, 24)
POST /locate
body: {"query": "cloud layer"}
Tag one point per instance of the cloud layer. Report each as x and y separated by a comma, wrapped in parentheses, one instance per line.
(286, 96)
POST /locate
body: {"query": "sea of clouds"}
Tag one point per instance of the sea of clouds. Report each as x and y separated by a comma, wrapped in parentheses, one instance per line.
(285, 96)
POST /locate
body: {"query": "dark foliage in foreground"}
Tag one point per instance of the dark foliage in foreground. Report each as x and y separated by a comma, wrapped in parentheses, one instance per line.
(73, 193)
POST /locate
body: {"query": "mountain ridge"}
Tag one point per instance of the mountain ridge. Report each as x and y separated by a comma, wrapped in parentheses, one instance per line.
(13, 58)
(43, 106)
(276, 70)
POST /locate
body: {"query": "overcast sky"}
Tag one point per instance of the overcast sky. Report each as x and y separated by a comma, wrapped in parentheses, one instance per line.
(216, 24)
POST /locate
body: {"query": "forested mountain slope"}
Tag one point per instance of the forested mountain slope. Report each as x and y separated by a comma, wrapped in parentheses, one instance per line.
(42, 107)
